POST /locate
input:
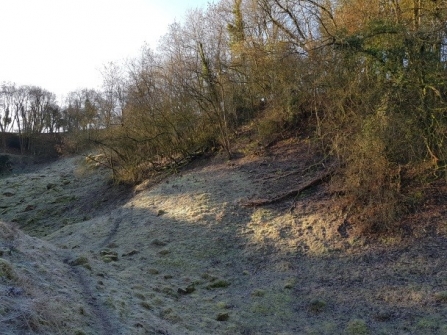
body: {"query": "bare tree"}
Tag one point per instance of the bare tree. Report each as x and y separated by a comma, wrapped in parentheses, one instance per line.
(41, 103)
(114, 95)
(6, 110)
(82, 110)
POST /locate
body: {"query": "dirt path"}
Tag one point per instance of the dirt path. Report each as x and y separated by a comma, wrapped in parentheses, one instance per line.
(185, 257)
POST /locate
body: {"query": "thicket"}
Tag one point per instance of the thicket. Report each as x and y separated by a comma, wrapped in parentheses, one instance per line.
(365, 77)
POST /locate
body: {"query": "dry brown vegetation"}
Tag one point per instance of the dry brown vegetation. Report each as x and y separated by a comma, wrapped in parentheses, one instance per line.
(368, 91)
(276, 167)
(365, 80)
(186, 256)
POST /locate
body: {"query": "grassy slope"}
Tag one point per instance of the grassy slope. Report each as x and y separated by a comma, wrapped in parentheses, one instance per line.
(185, 257)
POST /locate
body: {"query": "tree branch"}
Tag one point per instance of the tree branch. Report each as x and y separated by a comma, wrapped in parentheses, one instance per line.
(293, 193)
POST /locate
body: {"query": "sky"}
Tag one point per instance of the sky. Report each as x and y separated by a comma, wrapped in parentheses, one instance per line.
(62, 45)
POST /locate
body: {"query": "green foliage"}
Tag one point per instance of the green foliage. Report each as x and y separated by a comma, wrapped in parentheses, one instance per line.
(384, 111)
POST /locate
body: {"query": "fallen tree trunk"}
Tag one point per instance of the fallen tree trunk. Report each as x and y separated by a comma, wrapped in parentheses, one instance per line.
(293, 193)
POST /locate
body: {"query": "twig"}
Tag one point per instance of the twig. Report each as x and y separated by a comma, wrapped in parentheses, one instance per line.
(320, 163)
(287, 175)
(290, 194)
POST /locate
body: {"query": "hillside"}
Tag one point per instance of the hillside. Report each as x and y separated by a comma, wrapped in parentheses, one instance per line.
(190, 254)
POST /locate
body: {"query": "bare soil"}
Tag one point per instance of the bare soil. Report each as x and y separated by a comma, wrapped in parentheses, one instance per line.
(185, 255)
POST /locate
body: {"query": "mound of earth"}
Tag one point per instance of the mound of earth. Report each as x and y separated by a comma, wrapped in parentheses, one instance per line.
(188, 256)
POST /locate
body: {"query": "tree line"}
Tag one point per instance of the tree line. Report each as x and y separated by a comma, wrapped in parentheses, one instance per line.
(32, 110)
(366, 78)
